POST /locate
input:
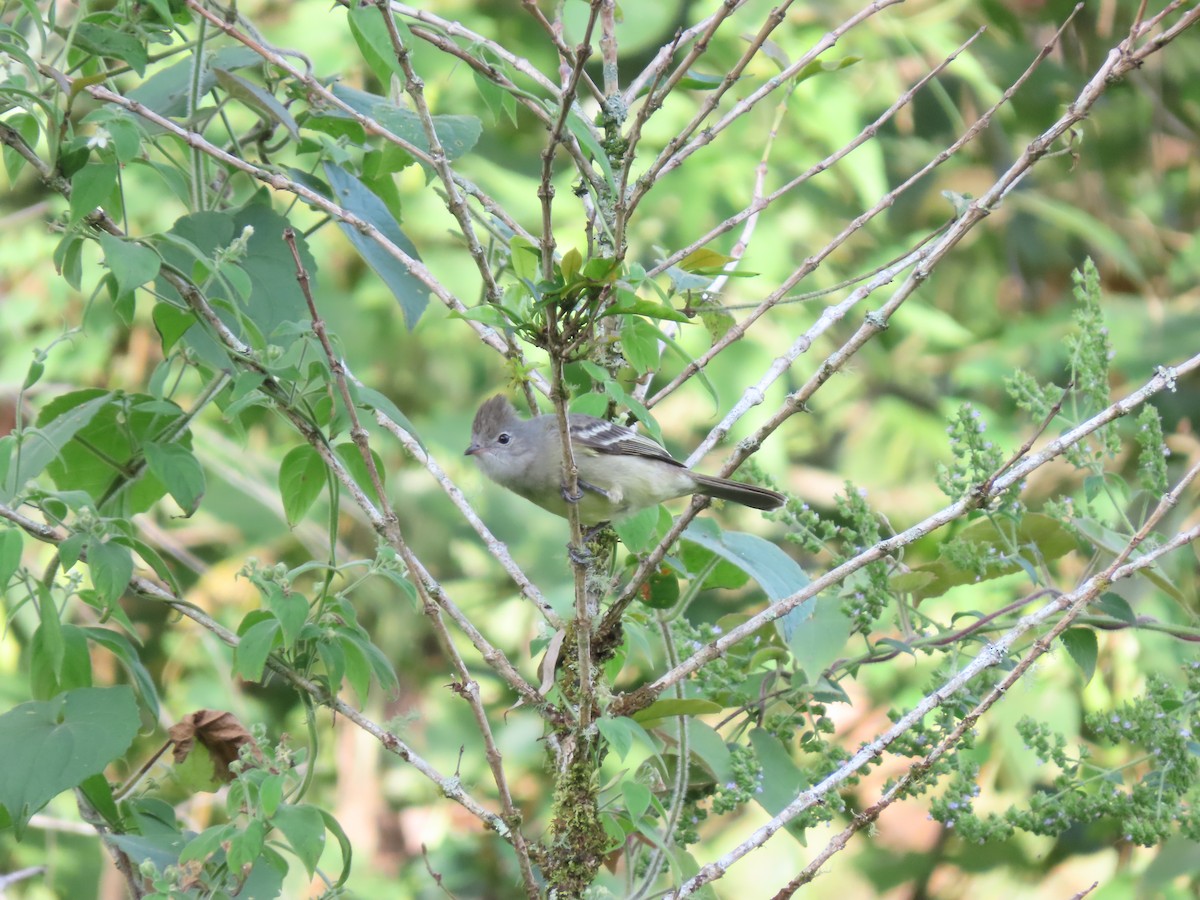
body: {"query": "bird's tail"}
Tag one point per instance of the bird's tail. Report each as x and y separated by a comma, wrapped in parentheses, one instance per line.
(735, 492)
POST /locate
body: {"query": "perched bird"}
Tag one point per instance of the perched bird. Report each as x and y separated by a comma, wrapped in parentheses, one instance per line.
(620, 471)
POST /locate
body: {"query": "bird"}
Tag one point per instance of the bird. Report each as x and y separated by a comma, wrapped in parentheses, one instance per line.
(620, 470)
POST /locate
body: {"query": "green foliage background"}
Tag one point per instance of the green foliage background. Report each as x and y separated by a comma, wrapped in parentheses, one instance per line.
(1125, 192)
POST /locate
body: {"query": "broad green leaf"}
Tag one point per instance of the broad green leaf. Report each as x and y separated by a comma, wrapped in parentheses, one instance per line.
(352, 459)
(373, 399)
(371, 34)
(637, 531)
(179, 470)
(665, 709)
(132, 264)
(639, 344)
(10, 554)
(304, 828)
(73, 669)
(255, 644)
(710, 748)
(111, 565)
(52, 746)
(636, 797)
(777, 573)
(94, 37)
(457, 134)
(782, 780)
(622, 733)
(334, 827)
(302, 476)
(245, 848)
(1036, 535)
(91, 186)
(353, 196)
(380, 666)
(119, 645)
(172, 323)
(816, 632)
(1082, 645)
(1108, 603)
(207, 843)
(167, 92)
(102, 451)
(40, 447)
(262, 102)
(525, 259)
(290, 609)
(704, 259)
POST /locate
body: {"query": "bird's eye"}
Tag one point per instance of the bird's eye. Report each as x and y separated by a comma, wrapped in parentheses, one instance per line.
(503, 437)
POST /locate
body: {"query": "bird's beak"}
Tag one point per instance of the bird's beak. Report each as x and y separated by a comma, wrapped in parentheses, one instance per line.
(472, 450)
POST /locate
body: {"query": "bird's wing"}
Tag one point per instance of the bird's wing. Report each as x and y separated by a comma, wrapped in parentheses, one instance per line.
(608, 437)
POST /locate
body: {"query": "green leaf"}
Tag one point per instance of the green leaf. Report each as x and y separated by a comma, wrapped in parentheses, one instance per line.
(206, 843)
(1082, 645)
(245, 848)
(582, 129)
(302, 475)
(639, 343)
(262, 102)
(172, 323)
(636, 797)
(352, 459)
(622, 733)
(1109, 603)
(353, 196)
(816, 632)
(665, 709)
(73, 668)
(1036, 535)
(637, 531)
(777, 573)
(304, 828)
(52, 746)
(167, 91)
(96, 39)
(457, 134)
(40, 446)
(177, 468)
(700, 81)
(525, 259)
(119, 645)
(817, 67)
(51, 647)
(703, 260)
(132, 264)
(255, 644)
(782, 780)
(334, 827)
(373, 399)
(647, 308)
(100, 453)
(91, 186)
(111, 565)
(10, 554)
(371, 34)
(290, 609)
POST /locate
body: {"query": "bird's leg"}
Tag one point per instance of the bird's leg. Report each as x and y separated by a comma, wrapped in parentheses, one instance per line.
(583, 486)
